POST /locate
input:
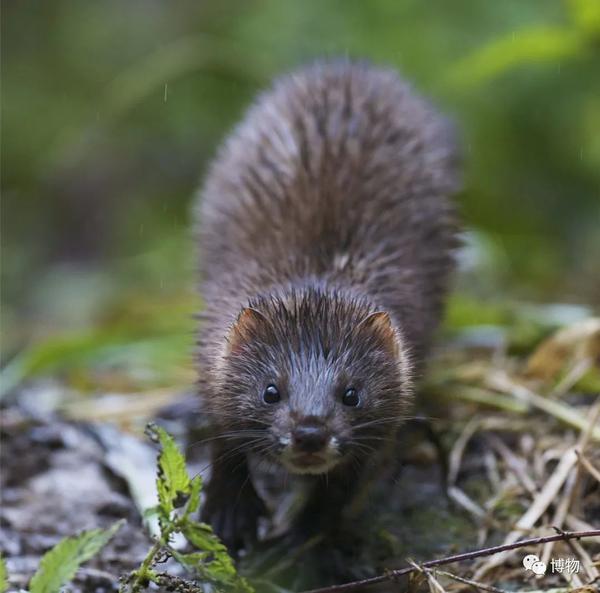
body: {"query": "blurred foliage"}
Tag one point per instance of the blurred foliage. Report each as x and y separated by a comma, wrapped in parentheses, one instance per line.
(60, 563)
(3, 576)
(111, 111)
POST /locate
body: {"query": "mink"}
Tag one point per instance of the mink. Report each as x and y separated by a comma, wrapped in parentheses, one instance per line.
(326, 237)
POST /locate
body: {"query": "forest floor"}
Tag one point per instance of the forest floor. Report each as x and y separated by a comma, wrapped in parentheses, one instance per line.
(504, 447)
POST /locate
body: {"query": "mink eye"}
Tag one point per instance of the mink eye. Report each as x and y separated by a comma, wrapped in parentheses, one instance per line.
(350, 398)
(271, 395)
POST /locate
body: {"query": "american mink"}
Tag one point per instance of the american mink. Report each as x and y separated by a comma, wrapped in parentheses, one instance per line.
(326, 239)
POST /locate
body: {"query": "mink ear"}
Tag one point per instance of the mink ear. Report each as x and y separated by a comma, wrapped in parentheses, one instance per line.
(380, 324)
(244, 329)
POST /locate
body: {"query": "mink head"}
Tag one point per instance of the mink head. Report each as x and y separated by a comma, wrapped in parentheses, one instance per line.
(313, 379)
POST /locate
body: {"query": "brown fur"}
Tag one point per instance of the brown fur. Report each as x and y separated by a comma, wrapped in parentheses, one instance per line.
(327, 204)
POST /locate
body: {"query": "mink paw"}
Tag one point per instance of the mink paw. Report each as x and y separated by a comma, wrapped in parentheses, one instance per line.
(233, 514)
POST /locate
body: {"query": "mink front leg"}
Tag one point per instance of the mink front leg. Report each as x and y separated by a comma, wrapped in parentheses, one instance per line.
(332, 501)
(232, 504)
(337, 499)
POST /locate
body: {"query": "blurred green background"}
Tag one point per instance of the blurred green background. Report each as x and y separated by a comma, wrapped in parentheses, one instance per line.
(111, 111)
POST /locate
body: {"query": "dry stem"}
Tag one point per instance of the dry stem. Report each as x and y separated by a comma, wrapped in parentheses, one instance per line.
(394, 574)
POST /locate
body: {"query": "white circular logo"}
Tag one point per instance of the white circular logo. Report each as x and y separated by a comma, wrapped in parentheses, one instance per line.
(529, 561)
(538, 568)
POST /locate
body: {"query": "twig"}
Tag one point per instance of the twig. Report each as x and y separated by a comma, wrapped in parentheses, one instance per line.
(174, 583)
(518, 466)
(537, 508)
(574, 580)
(560, 514)
(467, 503)
(580, 451)
(393, 574)
(458, 449)
(586, 561)
(577, 524)
(585, 462)
(580, 553)
(577, 370)
(568, 415)
(479, 586)
(487, 398)
(434, 584)
(571, 489)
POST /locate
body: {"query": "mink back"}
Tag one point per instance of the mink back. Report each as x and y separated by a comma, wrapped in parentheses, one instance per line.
(338, 176)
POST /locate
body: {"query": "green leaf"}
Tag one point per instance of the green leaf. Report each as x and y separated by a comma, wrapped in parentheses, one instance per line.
(222, 569)
(3, 576)
(194, 501)
(94, 349)
(212, 562)
(151, 512)
(530, 46)
(217, 566)
(173, 483)
(586, 15)
(589, 382)
(60, 564)
(193, 561)
(202, 537)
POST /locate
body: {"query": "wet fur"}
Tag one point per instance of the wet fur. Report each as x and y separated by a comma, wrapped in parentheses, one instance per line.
(326, 204)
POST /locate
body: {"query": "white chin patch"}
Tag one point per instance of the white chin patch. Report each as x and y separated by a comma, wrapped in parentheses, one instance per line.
(312, 469)
(299, 464)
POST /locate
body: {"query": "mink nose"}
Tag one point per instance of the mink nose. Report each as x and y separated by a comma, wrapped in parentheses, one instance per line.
(310, 438)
